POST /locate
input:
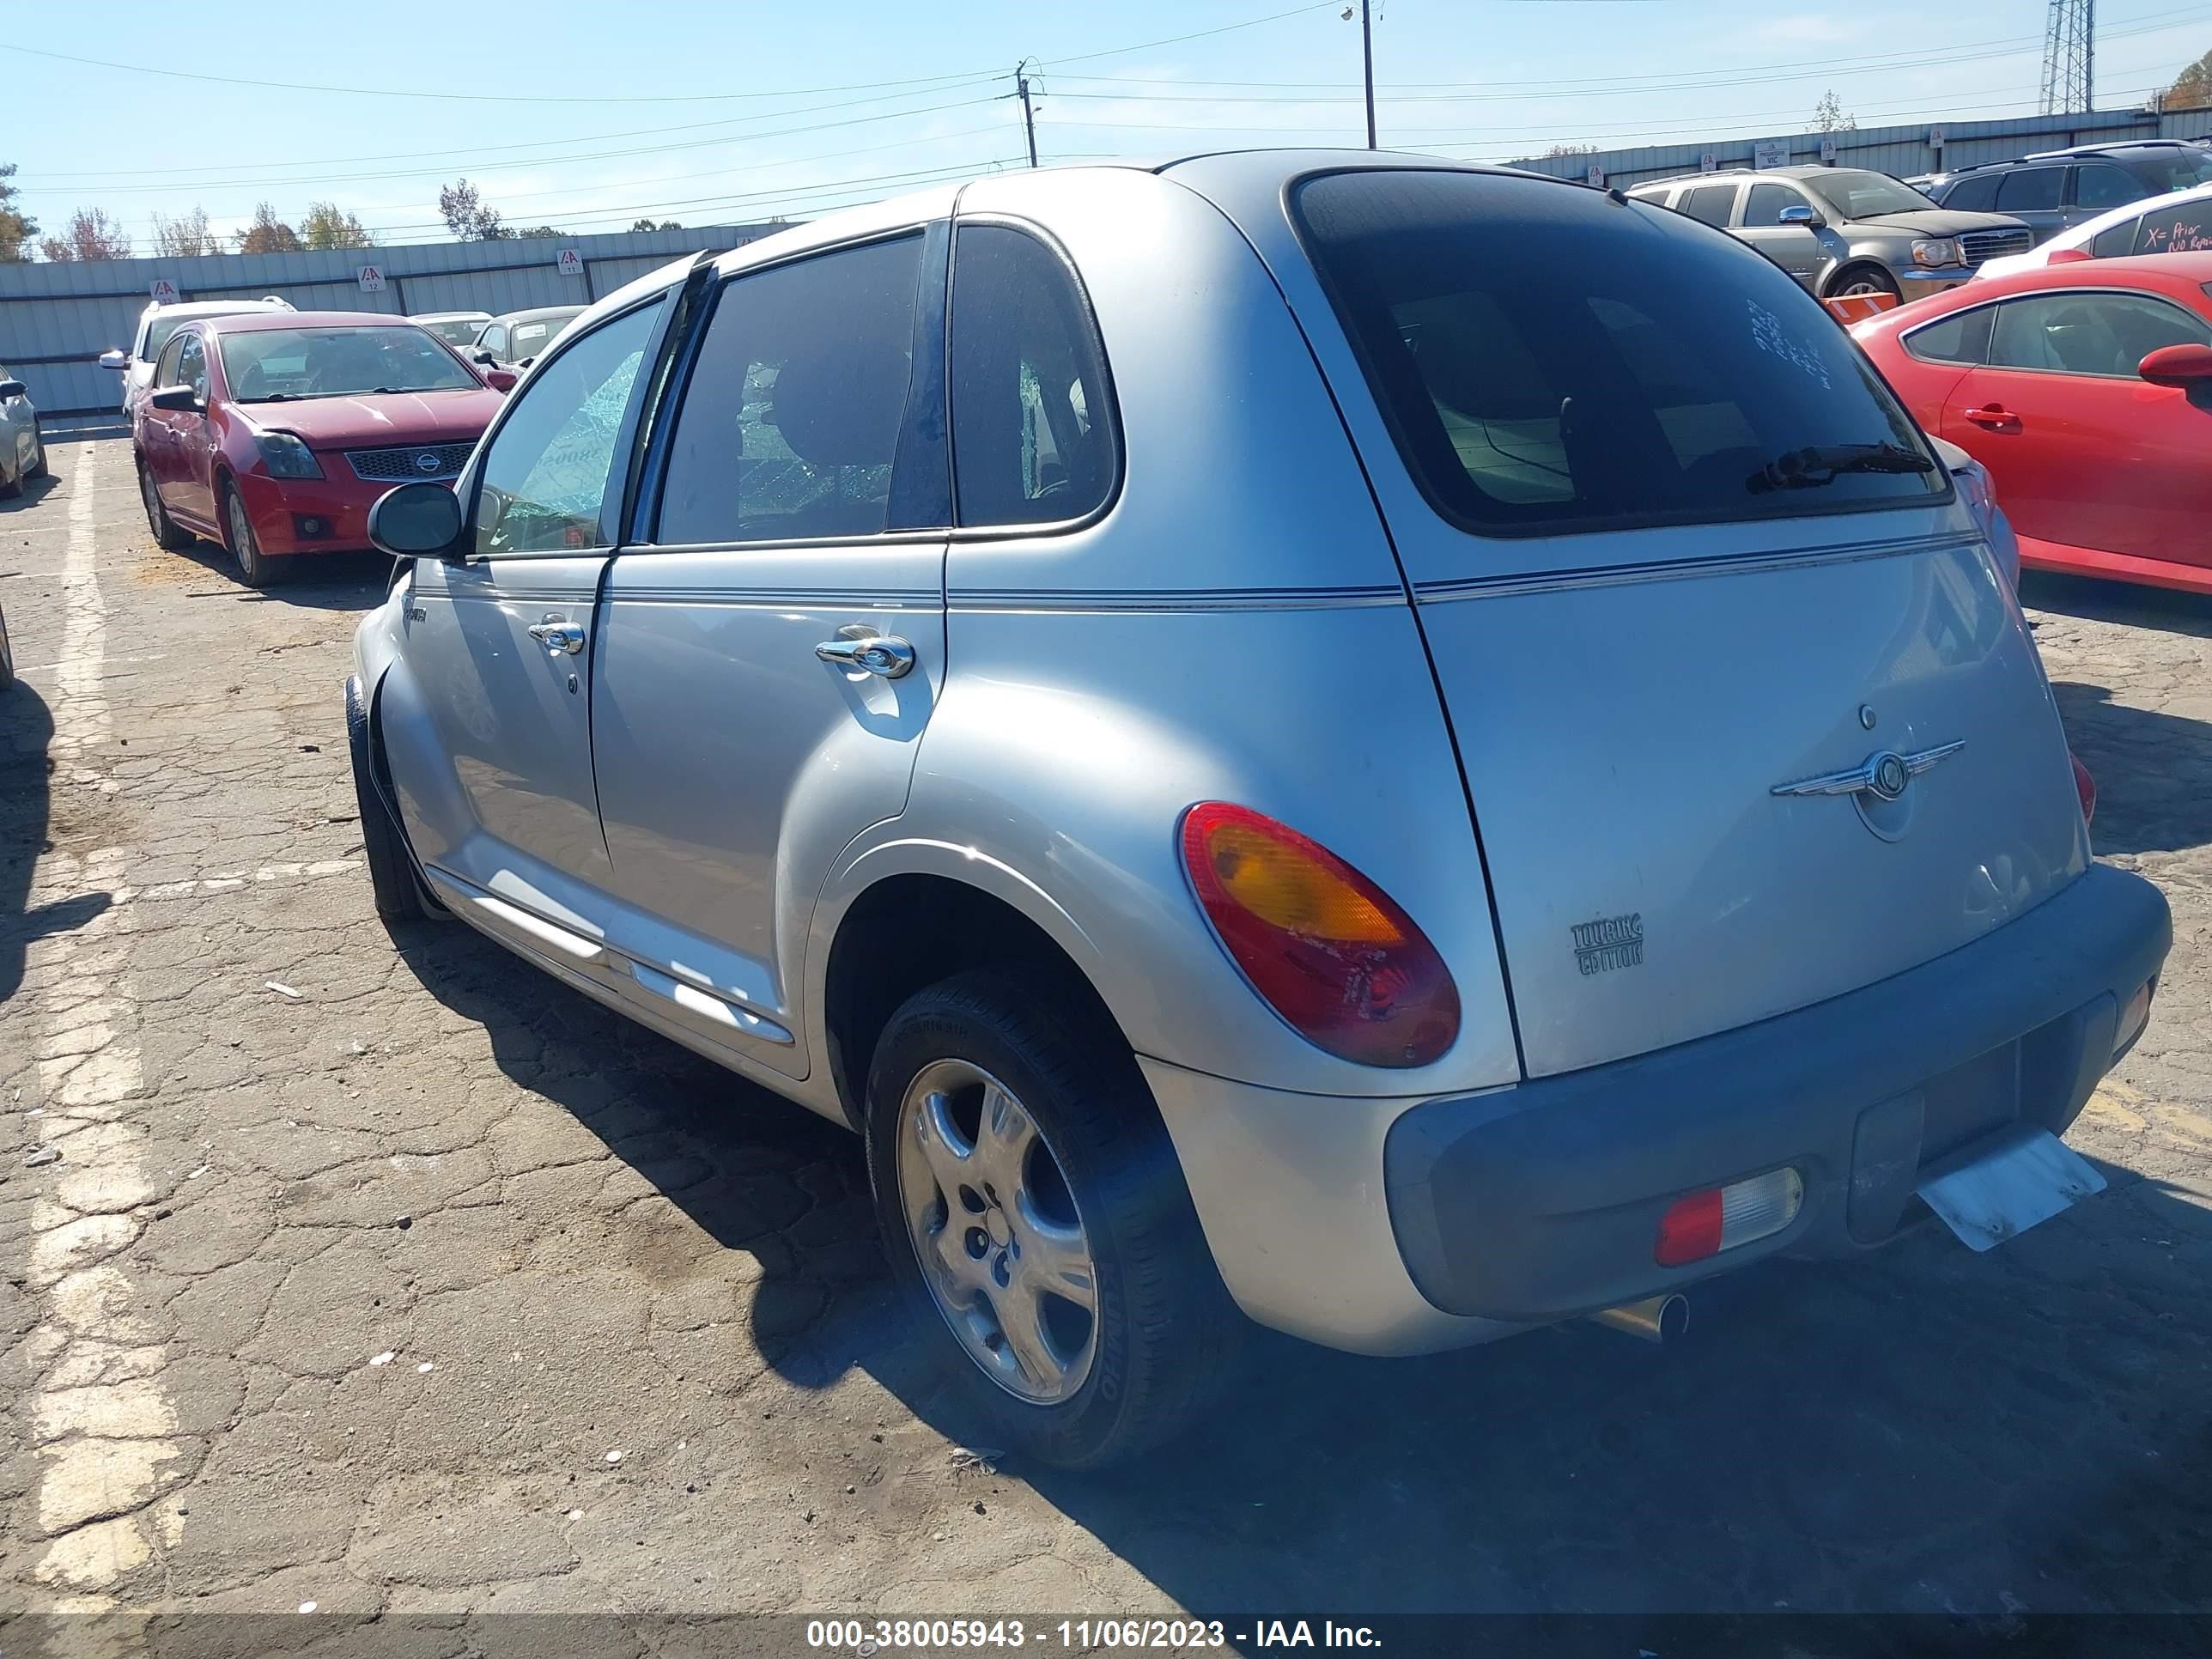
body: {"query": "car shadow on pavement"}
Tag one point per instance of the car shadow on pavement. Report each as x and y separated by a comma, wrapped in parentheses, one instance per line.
(317, 581)
(1918, 1429)
(34, 491)
(2130, 604)
(26, 731)
(2153, 770)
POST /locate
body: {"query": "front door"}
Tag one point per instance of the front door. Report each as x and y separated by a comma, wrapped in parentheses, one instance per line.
(1796, 248)
(500, 646)
(2085, 452)
(767, 664)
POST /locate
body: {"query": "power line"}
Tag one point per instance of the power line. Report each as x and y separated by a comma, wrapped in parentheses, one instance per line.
(319, 180)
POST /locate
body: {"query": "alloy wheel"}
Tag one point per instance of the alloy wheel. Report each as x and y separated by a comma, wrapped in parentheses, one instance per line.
(994, 1225)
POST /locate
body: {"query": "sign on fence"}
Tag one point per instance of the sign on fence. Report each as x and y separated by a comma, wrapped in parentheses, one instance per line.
(571, 262)
(1597, 178)
(164, 291)
(372, 279)
(1709, 162)
(1828, 152)
(1769, 153)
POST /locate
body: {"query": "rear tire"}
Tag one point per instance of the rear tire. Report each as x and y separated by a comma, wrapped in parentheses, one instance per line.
(38, 467)
(392, 876)
(1092, 1197)
(255, 567)
(11, 488)
(167, 533)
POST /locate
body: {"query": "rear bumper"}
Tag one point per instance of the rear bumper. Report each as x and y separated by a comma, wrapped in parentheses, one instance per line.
(1395, 1226)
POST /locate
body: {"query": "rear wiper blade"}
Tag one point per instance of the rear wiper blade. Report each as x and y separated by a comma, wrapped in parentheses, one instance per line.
(1819, 464)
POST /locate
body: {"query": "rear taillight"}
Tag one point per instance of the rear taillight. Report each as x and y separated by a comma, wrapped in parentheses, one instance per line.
(2085, 787)
(1705, 1224)
(1326, 947)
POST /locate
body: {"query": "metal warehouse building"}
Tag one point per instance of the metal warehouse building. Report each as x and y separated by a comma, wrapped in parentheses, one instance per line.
(56, 320)
(1901, 151)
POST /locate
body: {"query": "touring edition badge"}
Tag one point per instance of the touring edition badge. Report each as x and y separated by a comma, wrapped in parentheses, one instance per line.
(1608, 942)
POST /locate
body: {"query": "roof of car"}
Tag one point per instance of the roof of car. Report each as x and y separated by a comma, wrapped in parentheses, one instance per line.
(191, 308)
(254, 320)
(538, 313)
(446, 316)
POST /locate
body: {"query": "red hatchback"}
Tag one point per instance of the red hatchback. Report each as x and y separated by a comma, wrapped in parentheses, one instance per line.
(2085, 389)
(275, 433)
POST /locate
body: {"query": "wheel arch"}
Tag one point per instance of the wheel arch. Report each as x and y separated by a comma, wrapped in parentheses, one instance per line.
(1850, 266)
(948, 917)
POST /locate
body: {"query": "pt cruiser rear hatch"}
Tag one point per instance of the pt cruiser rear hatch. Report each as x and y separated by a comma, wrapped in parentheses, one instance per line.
(1747, 718)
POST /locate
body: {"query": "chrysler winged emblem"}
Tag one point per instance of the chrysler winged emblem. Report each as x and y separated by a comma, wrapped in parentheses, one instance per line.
(1882, 775)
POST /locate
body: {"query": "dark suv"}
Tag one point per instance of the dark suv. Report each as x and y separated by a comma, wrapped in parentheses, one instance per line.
(2055, 190)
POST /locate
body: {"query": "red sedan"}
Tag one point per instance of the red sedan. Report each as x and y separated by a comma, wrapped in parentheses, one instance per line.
(2085, 389)
(275, 433)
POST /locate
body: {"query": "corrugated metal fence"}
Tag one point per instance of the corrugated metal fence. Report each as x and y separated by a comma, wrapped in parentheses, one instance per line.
(56, 320)
(1902, 151)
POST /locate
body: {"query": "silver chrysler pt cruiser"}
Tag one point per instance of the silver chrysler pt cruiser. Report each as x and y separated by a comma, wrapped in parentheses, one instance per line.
(1414, 750)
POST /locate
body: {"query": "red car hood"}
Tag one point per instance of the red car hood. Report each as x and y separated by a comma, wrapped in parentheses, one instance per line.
(376, 420)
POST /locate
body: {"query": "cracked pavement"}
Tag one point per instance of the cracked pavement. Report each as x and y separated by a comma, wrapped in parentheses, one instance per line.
(389, 1276)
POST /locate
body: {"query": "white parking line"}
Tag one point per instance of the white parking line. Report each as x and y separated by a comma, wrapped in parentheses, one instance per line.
(100, 1417)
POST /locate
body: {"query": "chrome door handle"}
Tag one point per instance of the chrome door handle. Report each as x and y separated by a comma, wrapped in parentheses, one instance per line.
(560, 636)
(859, 648)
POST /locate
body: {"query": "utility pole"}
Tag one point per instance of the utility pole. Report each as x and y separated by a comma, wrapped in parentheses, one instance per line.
(1029, 115)
(1367, 63)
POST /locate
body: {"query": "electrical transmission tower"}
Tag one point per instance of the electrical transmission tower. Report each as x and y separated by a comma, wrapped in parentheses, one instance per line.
(2070, 57)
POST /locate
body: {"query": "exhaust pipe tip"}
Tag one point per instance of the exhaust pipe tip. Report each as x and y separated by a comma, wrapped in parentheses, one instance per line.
(1660, 1319)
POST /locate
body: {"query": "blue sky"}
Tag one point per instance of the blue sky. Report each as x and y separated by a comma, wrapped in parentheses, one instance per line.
(587, 115)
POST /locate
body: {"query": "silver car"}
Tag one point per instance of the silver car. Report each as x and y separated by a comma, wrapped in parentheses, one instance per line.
(1415, 751)
(22, 446)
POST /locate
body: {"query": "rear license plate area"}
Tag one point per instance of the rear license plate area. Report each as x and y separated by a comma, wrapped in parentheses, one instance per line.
(1968, 1102)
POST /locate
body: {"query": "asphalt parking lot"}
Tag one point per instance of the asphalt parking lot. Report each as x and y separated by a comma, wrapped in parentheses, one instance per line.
(401, 1279)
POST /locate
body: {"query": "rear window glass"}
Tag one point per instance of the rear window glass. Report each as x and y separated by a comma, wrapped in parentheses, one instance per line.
(1550, 360)
(1709, 204)
(2164, 170)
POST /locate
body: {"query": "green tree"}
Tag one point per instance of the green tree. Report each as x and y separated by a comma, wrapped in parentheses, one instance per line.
(16, 228)
(467, 215)
(268, 234)
(649, 224)
(1829, 115)
(326, 225)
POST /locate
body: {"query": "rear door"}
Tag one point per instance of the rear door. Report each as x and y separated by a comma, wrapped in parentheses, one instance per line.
(1614, 454)
(2035, 196)
(768, 664)
(2082, 450)
(500, 649)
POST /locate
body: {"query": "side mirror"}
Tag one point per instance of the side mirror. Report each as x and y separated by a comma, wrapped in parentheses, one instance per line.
(2189, 367)
(115, 357)
(485, 358)
(500, 380)
(416, 520)
(2069, 256)
(178, 399)
(1803, 217)
(13, 389)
